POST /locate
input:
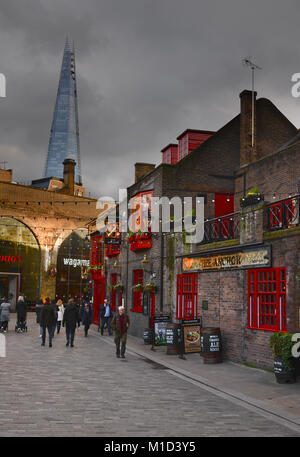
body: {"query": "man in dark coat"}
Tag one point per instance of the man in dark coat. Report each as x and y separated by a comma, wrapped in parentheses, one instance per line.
(71, 318)
(120, 324)
(86, 317)
(47, 320)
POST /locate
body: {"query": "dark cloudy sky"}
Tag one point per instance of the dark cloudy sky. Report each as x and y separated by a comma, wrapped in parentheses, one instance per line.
(146, 71)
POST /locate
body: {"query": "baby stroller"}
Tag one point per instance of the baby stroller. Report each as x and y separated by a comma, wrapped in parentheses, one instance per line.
(21, 326)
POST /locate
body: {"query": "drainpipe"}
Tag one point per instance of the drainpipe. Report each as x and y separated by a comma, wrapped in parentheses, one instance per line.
(161, 272)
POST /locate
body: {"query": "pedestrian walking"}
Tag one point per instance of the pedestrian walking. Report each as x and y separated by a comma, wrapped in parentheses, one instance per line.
(38, 310)
(86, 317)
(21, 311)
(5, 310)
(53, 304)
(70, 319)
(106, 316)
(48, 319)
(120, 324)
(60, 314)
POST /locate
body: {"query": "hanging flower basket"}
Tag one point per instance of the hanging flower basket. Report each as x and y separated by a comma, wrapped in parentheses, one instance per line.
(150, 286)
(138, 288)
(252, 199)
(119, 287)
(95, 268)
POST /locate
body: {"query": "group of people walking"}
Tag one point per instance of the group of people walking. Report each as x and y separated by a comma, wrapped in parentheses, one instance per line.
(52, 315)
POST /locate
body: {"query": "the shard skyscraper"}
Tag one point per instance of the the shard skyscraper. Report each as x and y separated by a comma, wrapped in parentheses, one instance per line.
(64, 136)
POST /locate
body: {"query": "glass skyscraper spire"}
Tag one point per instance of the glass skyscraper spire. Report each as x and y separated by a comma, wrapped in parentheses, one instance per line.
(64, 135)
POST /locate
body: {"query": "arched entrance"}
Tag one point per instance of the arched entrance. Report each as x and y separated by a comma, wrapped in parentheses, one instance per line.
(20, 260)
(73, 261)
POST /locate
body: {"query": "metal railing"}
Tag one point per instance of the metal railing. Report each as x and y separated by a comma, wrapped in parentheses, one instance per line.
(222, 228)
(282, 214)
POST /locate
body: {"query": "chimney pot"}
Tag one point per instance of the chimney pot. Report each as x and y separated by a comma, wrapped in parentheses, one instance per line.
(248, 153)
(69, 175)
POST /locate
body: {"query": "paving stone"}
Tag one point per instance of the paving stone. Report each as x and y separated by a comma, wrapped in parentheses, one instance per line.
(86, 391)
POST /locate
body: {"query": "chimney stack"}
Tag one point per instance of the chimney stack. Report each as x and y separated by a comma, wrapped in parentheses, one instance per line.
(248, 152)
(69, 175)
(142, 169)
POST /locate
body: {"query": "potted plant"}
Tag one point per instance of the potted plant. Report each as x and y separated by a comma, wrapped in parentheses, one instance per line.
(284, 364)
(138, 287)
(150, 286)
(252, 198)
(118, 286)
(95, 268)
(131, 236)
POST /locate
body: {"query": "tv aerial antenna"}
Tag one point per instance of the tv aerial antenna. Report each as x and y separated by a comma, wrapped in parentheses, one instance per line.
(248, 63)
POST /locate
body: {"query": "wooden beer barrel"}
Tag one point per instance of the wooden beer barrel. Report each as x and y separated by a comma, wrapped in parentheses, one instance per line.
(173, 347)
(211, 345)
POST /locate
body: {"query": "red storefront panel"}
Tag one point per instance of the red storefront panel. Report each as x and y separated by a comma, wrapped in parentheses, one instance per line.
(138, 278)
(99, 295)
(187, 296)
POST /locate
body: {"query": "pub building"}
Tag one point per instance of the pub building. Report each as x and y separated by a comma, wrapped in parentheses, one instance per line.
(244, 276)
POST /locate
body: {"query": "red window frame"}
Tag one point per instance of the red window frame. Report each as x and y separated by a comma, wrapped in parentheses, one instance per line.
(187, 296)
(138, 278)
(97, 251)
(267, 299)
(136, 213)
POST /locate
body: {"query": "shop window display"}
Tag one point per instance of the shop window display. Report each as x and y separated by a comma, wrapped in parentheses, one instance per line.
(20, 258)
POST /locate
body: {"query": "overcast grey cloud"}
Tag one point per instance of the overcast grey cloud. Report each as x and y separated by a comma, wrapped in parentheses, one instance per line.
(146, 71)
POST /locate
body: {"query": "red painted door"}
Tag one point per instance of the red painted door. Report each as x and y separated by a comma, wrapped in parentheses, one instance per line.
(224, 204)
(99, 295)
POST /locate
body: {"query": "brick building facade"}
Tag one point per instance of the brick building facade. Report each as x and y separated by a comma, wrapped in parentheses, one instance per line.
(258, 294)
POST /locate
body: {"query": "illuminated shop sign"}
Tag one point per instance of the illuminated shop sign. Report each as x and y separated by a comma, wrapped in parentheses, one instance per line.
(247, 259)
(77, 262)
(10, 258)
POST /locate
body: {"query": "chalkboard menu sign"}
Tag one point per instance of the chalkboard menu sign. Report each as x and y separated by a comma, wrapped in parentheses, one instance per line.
(148, 335)
(172, 336)
(278, 366)
(191, 333)
(160, 323)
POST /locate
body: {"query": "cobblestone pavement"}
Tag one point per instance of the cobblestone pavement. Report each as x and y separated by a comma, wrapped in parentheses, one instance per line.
(86, 391)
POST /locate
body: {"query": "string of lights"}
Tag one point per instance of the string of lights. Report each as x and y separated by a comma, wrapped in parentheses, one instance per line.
(75, 203)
